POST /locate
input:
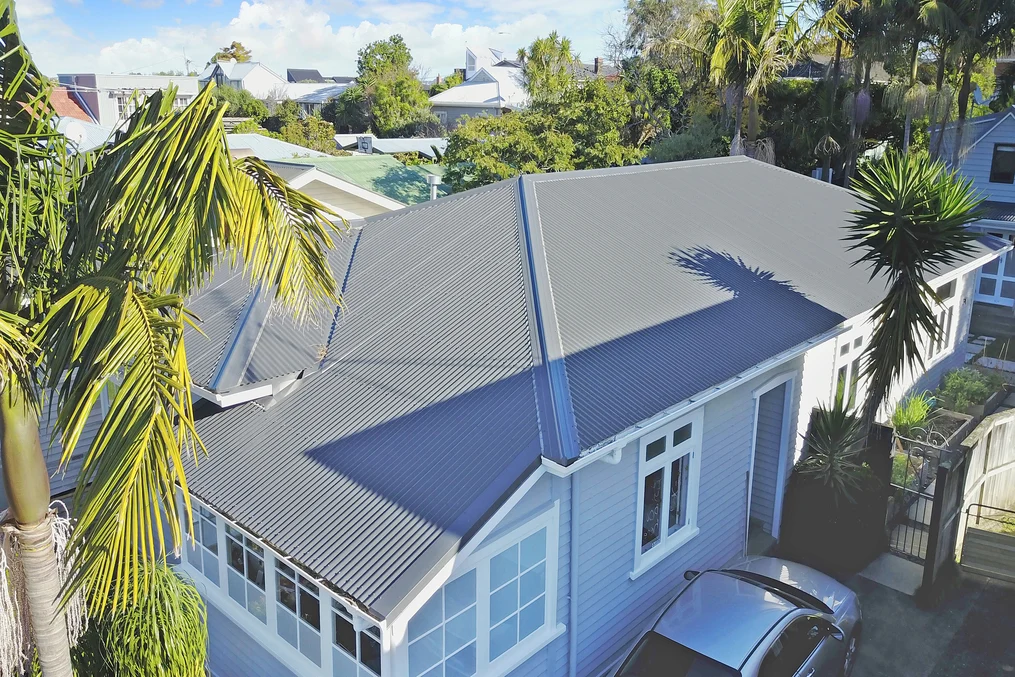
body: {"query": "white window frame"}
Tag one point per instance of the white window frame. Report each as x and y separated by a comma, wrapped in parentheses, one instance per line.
(946, 316)
(267, 634)
(668, 543)
(300, 583)
(360, 627)
(442, 117)
(848, 353)
(480, 561)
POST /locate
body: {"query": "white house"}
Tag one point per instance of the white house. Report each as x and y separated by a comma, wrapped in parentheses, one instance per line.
(107, 98)
(491, 90)
(500, 456)
(252, 76)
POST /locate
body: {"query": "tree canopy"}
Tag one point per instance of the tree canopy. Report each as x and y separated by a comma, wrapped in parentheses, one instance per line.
(242, 103)
(235, 50)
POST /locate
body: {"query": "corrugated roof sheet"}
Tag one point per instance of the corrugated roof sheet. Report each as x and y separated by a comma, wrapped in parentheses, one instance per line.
(421, 146)
(427, 384)
(645, 285)
(1000, 211)
(267, 148)
(382, 174)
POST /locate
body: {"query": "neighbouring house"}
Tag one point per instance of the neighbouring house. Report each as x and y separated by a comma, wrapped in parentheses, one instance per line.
(492, 90)
(820, 67)
(268, 148)
(541, 402)
(109, 99)
(380, 174)
(85, 136)
(431, 147)
(69, 106)
(987, 158)
(345, 198)
(252, 76)
(312, 97)
(314, 75)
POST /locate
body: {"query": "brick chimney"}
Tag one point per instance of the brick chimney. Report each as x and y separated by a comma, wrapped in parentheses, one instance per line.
(598, 65)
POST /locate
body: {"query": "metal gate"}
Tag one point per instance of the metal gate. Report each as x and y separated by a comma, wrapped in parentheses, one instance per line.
(911, 496)
(988, 545)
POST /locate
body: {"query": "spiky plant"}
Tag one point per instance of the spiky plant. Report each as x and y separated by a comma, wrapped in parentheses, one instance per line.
(911, 224)
(834, 443)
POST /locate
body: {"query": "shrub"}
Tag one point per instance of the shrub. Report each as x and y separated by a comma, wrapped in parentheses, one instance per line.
(833, 445)
(912, 415)
(965, 387)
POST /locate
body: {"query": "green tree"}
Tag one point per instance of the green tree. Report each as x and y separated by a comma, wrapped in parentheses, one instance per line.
(348, 111)
(242, 103)
(382, 56)
(100, 253)
(548, 68)
(595, 115)
(314, 133)
(911, 223)
(656, 95)
(447, 83)
(251, 127)
(286, 112)
(486, 149)
(235, 50)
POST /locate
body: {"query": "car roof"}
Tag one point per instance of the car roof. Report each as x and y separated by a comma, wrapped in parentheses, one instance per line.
(723, 617)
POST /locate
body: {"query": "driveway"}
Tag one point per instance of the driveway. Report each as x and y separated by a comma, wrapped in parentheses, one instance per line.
(970, 633)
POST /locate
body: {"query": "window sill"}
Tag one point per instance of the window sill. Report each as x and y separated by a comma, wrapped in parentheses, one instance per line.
(656, 555)
(525, 650)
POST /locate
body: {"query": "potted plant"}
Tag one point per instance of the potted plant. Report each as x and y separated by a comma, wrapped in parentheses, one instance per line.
(971, 391)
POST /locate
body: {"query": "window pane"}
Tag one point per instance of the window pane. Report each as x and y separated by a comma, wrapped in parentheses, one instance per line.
(211, 567)
(990, 268)
(342, 664)
(504, 567)
(370, 653)
(235, 533)
(194, 555)
(310, 644)
(460, 594)
(1008, 289)
(531, 618)
(844, 348)
(255, 603)
(987, 286)
(286, 591)
(504, 602)
(287, 628)
(255, 570)
(462, 664)
(532, 584)
(651, 510)
(235, 552)
(237, 588)
(854, 380)
(426, 619)
(310, 608)
(503, 637)
(254, 547)
(1002, 166)
(345, 634)
(209, 536)
(678, 493)
(459, 631)
(533, 549)
(425, 653)
(681, 434)
(655, 448)
(285, 569)
(840, 380)
(858, 341)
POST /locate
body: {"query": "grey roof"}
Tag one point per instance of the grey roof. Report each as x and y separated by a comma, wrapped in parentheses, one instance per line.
(537, 316)
(267, 148)
(304, 75)
(999, 211)
(423, 146)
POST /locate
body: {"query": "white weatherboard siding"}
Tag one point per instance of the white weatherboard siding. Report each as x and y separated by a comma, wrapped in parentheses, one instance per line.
(614, 609)
(976, 163)
(768, 449)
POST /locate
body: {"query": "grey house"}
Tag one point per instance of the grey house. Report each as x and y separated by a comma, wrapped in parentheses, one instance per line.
(544, 400)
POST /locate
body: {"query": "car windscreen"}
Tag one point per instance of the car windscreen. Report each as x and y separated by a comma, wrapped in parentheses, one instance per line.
(657, 656)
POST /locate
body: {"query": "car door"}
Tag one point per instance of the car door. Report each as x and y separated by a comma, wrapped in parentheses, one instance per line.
(804, 649)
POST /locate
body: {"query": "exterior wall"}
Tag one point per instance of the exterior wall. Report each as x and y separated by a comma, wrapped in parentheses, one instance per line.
(455, 114)
(976, 164)
(348, 205)
(767, 451)
(234, 653)
(260, 81)
(99, 92)
(613, 609)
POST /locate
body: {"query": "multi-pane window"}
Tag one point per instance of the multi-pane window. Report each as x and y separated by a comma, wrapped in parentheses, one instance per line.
(668, 477)
(357, 644)
(203, 554)
(486, 615)
(299, 611)
(1002, 164)
(517, 593)
(125, 105)
(943, 315)
(246, 573)
(847, 376)
(181, 102)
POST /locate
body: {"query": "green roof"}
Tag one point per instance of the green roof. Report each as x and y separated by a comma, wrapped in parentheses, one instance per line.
(382, 174)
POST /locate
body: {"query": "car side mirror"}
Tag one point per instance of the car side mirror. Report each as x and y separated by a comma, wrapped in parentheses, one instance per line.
(836, 632)
(691, 574)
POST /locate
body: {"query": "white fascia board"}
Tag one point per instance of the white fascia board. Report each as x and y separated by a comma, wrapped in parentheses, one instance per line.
(351, 188)
(232, 398)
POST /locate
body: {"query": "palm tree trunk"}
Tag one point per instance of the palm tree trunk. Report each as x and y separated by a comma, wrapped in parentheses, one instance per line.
(938, 84)
(27, 484)
(826, 167)
(752, 121)
(906, 132)
(914, 64)
(964, 92)
(735, 143)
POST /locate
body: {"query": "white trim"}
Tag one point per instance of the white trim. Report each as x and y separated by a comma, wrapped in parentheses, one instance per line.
(788, 378)
(234, 397)
(315, 174)
(668, 543)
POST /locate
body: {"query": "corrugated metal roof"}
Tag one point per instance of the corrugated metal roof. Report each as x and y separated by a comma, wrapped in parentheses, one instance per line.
(382, 174)
(421, 146)
(427, 384)
(645, 285)
(999, 211)
(268, 148)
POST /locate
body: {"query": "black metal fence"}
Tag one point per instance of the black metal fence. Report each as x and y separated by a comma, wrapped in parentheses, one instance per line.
(915, 466)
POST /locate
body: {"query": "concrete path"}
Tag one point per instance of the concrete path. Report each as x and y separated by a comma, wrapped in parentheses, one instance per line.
(970, 633)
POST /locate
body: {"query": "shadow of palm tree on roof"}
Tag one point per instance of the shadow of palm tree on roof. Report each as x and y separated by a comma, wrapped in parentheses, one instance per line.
(727, 272)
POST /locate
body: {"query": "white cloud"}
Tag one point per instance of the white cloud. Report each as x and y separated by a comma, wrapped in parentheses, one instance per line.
(302, 34)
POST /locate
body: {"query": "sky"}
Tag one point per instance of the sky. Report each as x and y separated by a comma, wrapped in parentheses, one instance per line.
(120, 36)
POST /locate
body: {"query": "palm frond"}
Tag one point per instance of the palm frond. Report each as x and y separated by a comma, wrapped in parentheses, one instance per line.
(106, 332)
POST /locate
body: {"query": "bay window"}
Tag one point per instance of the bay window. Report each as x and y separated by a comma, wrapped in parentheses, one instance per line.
(299, 611)
(668, 473)
(493, 615)
(246, 572)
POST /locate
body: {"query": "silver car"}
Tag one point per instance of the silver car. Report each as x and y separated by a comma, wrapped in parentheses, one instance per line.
(764, 618)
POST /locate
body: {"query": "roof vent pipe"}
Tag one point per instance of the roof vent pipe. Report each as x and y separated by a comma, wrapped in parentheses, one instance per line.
(433, 181)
